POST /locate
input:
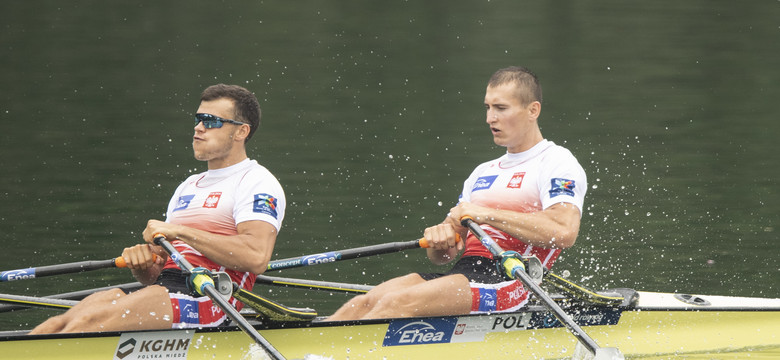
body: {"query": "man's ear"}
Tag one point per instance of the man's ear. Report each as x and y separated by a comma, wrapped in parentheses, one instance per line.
(534, 109)
(242, 133)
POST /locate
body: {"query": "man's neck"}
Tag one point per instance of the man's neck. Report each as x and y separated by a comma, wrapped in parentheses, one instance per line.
(231, 160)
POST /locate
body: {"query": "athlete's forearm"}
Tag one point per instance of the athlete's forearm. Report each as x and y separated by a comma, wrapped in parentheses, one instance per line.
(554, 227)
(250, 250)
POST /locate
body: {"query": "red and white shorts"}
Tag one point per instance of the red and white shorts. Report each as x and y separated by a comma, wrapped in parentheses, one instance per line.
(194, 312)
(490, 291)
(190, 310)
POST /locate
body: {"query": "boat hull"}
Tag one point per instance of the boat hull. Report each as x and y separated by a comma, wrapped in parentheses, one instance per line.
(659, 324)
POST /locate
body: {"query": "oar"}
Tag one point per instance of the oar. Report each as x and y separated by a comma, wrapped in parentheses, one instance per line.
(205, 285)
(74, 295)
(314, 284)
(514, 267)
(347, 254)
(37, 301)
(60, 269)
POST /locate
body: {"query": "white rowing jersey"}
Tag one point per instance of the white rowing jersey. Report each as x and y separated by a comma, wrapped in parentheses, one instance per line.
(218, 200)
(530, 181)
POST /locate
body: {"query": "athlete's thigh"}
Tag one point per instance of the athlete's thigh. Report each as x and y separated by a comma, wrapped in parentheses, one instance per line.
(148, 308)
(445, 295)
(395, 285)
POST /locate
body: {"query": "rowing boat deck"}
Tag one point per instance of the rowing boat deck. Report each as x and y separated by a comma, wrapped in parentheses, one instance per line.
(657, 324)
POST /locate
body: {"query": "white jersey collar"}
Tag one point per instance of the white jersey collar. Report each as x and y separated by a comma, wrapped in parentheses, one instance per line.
(216, 175)
(511, 159)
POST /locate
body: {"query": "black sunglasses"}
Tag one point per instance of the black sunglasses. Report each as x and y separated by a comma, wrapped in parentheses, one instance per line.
(214, 122)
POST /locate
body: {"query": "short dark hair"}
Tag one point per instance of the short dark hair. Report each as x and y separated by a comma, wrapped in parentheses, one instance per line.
(528, 87)
(245, 106)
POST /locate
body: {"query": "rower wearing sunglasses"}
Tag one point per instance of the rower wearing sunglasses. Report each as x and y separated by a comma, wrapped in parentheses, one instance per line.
(224, 219)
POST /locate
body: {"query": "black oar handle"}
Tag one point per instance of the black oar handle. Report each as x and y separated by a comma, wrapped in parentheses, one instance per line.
(215, 296)
(519, 274)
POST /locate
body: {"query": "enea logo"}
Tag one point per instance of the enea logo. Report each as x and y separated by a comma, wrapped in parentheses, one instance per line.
(183, 202)
(20, 274)
(154, 345)
(484, 182)
(419, 332)
(320, 258)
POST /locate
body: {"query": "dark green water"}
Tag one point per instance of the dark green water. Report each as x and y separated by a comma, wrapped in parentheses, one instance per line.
(373, 117)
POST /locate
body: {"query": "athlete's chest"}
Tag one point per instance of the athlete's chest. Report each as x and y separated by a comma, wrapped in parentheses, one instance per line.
(201, 196)
(507, 186)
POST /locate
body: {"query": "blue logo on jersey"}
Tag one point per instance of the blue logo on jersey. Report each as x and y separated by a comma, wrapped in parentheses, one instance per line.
(265, 204)
(484, 182)
(189, 311)
(183, 202)
(420, 331)
(20, 274)
(561, 187)
(487, 300)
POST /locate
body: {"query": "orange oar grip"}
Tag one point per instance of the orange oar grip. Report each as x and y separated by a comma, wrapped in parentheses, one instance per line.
(464, 218)
(121, 263)
(424, 241)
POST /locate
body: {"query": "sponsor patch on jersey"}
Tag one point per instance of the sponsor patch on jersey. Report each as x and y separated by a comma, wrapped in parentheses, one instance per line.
(487, 300)
(265, 204)
(560, 186)
(420, 331)
(183, 202)
(516, 181)
(212, 200)
(484, 182)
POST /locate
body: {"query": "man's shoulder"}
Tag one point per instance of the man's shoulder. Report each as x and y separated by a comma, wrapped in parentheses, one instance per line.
(558, 151)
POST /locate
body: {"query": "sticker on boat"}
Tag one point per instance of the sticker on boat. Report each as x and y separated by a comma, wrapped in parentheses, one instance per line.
(154, 345)
(420, 331)
(474, 328)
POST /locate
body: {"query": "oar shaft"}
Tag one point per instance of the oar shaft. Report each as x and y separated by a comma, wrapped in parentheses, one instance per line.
(215, 296)
(37, 301)
(59, 269)
(346, 254)
(520, 274)
(314, 284)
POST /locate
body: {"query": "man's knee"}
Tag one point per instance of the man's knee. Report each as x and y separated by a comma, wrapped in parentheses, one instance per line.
(103, 296)
(394, 304)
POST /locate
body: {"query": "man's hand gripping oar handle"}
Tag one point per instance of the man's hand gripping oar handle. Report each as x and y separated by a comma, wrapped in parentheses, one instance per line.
(121, 263)
(423, 242)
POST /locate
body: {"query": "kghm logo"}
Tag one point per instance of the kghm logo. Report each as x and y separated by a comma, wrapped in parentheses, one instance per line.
(153, 345)
(125, 348)
(148, 347)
